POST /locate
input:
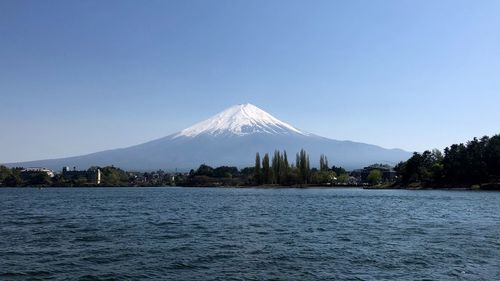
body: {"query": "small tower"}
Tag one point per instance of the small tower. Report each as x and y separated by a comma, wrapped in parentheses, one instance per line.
(98, 176)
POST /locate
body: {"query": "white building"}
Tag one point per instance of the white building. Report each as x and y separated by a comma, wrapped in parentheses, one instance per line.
(38, 169)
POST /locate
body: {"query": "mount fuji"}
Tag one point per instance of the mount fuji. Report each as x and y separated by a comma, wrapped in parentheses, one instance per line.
(231, 137)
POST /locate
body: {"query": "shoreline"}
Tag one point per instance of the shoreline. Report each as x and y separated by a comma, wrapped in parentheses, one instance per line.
(414, 188)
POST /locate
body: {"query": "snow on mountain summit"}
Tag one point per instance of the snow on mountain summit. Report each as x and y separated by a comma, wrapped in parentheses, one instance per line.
(239, 120)
(230, 138)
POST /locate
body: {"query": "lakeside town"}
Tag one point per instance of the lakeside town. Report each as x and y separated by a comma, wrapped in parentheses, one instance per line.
(474, 165)
(203, 176)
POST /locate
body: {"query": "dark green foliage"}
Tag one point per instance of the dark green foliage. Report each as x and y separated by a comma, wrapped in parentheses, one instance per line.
(375, 176)
(38, 179)
(219, 176)
(343, 178)
(112, 176)
(280, 172)
(277, 166)
(18, 177)
(425, 167)
(257, 170)
(273, 171)
(492, 156)
(323, 163)
(247, 172)
(322, 177)
(225, 172)
(266, 170)
(476, 162)
(280, 168)
(4, 173)
(338, 170)
(12, 180)
(303, 165)
(205, 170)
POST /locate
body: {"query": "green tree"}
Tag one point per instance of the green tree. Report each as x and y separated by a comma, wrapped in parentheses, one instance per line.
(374, 176)
(257, 171)
(343, 178)
(286, 169)
(338, 170)
(205, 170)
(324, 177)
(266, 170)
(4, 173)
(40, 179)
(323, 163)
(276, 167)
(492, 157)
(476, 162)
(13, 180)
(225, 172)
(112, 176)
(280, 167)
(303, 165)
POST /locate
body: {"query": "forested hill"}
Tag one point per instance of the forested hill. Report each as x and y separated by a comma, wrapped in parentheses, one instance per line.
(475, 163)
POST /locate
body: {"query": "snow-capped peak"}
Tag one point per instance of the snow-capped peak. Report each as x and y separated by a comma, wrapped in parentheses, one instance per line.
(240, 120)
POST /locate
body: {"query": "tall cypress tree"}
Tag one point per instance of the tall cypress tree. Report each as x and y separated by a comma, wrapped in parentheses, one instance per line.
(276, 167)
(257, 171)
(266, 171)
(323, 163)
(304, 166)
(286, 168)
(307, 169)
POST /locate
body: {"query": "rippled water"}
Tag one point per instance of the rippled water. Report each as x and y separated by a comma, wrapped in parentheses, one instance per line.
(248, 234)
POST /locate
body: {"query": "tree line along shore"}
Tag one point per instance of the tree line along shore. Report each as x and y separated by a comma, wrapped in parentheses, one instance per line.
(475, 164)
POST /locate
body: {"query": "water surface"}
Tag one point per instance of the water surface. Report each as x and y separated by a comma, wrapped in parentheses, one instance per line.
(248, 234)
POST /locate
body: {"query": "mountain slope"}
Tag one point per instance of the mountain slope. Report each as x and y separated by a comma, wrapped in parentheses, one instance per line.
(231, 137)
(240, 120)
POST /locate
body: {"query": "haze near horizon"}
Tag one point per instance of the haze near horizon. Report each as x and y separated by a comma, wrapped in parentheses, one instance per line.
(81, 77)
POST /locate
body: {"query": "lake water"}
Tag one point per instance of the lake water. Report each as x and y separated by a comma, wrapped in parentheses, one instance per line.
(248, 234)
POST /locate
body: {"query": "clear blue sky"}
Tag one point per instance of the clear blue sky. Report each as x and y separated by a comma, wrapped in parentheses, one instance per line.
(82, 76)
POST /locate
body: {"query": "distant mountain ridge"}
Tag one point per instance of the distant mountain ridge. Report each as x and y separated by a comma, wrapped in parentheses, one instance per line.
(231, 137)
